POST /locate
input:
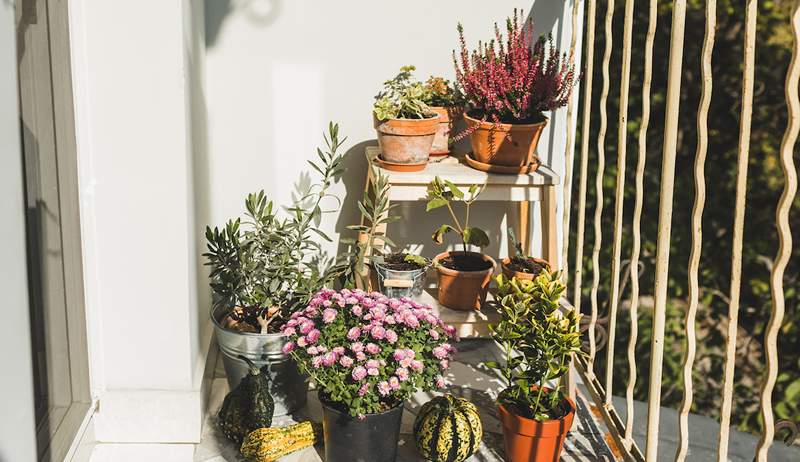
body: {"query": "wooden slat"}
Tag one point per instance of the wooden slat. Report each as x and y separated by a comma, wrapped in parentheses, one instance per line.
(569, 152)
(738, 226)
(622, 144)
(697, 232)
(598, 208)
(785, 239)
(637, 218)
(665, 224)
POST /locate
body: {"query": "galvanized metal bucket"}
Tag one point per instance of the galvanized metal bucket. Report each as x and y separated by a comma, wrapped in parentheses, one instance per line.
(287, 385)
(396, 284)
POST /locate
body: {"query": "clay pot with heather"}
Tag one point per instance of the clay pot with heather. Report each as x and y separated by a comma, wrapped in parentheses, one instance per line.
(509, 145)
(464, 279)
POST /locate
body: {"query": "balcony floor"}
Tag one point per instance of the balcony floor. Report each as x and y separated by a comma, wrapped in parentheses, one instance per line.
(586, 442)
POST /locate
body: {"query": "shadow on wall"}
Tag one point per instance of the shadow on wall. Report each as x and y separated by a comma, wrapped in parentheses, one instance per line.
(259, 12)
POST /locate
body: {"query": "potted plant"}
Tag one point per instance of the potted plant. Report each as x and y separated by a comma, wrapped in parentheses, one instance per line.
(367, 353)
(508, 86)
(444, 99)
(262, 272)
(520, 265)
(400, 274)
(406, 126)
(464, 276)
(538, 341)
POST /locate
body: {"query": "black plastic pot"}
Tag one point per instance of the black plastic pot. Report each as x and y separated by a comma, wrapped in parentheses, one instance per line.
(348, 439)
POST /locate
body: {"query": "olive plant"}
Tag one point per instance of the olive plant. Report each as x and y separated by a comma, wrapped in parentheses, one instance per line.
(442, 193)
(538, 341)
(266, 266)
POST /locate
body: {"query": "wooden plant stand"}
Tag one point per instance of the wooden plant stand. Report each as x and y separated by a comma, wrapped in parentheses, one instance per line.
(532, 187)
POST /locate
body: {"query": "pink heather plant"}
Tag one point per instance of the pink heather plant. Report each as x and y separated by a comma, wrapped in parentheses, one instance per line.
(362, 361)
(507, 80)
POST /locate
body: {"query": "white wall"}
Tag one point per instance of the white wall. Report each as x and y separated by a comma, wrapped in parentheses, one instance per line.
(278, 71)
(135, 72)
(17, 426)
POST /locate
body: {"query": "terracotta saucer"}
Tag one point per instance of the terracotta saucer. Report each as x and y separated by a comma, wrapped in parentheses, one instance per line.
(400, 167)
(504, 169)
(439, 153)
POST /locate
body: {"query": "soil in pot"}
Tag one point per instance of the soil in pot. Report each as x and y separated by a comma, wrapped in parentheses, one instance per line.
(463, 279)
(349, 439)
(406, 141)
(528, 440)
(397, 262)
(507, 144)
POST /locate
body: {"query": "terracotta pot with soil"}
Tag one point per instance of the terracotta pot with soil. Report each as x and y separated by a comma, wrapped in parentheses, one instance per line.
(523, 267)
(511, 145)
(464, 279)
(448, 116)
(530, 440)
(406, 141)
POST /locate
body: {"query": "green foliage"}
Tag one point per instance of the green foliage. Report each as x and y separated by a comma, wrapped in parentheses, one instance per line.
(402, 97)
(441, 92)
(442, 193)
(538, 341)
(418, 260)
(265, 263)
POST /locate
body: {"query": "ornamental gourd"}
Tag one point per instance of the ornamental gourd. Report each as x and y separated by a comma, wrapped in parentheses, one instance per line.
(448, 429)
(270, 444)
(248, 407)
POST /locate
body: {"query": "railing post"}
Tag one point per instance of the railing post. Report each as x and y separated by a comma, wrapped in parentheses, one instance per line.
(785, 236)
(665, 224)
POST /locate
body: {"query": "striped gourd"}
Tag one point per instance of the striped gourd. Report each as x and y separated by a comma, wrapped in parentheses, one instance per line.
(448, 429)
(270, 444)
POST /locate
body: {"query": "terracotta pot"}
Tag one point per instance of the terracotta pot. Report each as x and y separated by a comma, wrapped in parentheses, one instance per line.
(463, 290)
(510, 145)
(518, 274)
(527, 440)
(406, 141)
(448, 116)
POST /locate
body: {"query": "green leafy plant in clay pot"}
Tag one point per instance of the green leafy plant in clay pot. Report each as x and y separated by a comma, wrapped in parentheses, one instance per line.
(521, 265)
(444, 99)
(263, 268)
(538, 341)
(464, 276)
(406, 126)
(508, 85)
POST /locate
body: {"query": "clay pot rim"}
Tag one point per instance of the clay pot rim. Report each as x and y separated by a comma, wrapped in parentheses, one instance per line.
(506, 270)
(504, 127)
(464, 274)
(427, 120)
(548, 429)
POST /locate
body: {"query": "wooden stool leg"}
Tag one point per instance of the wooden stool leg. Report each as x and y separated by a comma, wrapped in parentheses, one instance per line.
(524, 231)
(549, 231)
(362, 272)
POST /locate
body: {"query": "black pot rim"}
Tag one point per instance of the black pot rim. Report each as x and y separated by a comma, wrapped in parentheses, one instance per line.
(326, 404)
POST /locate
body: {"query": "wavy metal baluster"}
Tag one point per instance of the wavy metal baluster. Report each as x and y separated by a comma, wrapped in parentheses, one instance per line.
(738, 226)
(587, 112)
(569, 154)
(785, 236)
(601, 163)
(697, 228)
(665, 224)
(637, 217)
(622, 146)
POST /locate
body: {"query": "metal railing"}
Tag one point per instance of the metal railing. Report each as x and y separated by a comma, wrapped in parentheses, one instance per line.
(602, 391)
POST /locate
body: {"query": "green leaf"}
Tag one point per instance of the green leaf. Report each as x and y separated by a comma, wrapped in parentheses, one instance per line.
(476, 237)
(454, 189)
(438, 235)
(435, 203)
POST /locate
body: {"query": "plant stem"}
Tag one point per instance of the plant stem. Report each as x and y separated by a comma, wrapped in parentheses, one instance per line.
(539, 396)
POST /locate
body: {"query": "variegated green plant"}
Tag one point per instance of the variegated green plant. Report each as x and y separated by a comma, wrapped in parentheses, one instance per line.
(402, 97)
(538, 340)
